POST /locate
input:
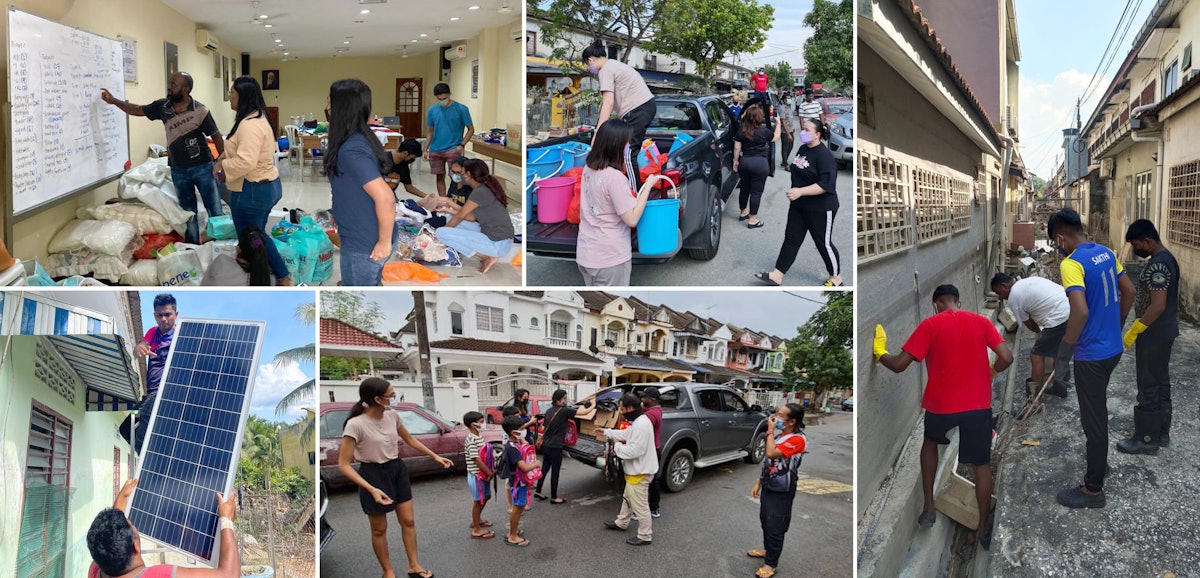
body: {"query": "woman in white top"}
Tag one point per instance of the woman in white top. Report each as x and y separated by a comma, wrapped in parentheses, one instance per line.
(248, 167)
(371, 436)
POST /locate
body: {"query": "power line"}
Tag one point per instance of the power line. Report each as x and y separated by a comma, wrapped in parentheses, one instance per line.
(1114, 45)
(799, 296)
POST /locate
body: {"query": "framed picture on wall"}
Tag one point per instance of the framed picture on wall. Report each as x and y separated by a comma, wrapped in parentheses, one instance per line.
(216, 64)
(270, 80)
(474, 79)
(129, 58)
(225, 78)
(171, 56)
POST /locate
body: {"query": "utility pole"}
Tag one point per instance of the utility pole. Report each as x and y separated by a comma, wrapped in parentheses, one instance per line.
(423, 350)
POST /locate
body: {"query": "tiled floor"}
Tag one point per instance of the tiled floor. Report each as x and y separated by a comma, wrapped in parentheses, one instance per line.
(313, 195)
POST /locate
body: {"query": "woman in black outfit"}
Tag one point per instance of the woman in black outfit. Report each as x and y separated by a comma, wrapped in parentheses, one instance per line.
(751, 148)
(556, 424)
(814, 205)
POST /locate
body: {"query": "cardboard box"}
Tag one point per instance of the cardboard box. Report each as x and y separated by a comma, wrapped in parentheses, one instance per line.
(513, 130)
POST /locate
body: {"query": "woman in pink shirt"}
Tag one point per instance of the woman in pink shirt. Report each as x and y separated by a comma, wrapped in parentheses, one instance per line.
(608, 209)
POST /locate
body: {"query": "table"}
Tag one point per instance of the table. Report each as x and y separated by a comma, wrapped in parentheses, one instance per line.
(309, 142)
(496, 153)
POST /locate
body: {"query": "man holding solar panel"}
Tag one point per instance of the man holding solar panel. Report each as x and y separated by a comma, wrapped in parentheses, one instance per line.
(115, 545)
(154, 347)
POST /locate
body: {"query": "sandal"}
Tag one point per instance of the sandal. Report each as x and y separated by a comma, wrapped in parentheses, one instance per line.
(539, 495)
(757, 225)
(488, 535)
(558, 501)
(522, 544)
(424, 574)
(743, 217)
(829, 283)
(756, 553)
(765, 277)
(763, 572)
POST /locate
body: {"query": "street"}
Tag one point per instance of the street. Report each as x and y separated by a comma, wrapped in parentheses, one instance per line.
(704, 530)
(743, 252)
(1149, 525)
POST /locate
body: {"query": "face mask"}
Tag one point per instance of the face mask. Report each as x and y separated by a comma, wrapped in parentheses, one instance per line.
(778, 427)
(805, 137)
(390, 400)
(480, 425)
(1141, 253)
(444, 103)
(456, 177)
(592, 69)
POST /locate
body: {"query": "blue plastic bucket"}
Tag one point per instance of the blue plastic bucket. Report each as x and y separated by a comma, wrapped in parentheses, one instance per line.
(658, 228)
(545, 163)
(576, 152)
(680, 140)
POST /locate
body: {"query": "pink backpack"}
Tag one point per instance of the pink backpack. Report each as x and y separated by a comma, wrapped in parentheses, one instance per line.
(529, 456)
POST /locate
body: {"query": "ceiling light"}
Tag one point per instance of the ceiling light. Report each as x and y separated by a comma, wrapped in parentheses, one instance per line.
(405, 53)
(285, 54)
(414, 39)
(262, 16)
(473, 8)
(505, 9)
(454, 19)
(364, 11)
(278, 40)
(345, 42)
(423, 35)
(269, 25)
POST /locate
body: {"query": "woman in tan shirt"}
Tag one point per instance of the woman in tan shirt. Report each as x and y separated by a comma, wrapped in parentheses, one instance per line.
(248, 167)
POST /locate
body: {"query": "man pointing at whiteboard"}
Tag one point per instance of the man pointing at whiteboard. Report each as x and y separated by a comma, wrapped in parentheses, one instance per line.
(186, 122)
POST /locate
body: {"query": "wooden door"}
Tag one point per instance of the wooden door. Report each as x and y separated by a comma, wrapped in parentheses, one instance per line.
(409, 106)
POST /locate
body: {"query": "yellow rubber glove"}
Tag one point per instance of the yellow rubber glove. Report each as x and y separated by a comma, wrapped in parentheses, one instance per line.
(880, 346)
(1132, 334)
(994, 372)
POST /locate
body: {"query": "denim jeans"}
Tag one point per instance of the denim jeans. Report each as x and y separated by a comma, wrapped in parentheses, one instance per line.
(250, 208)
(188, 182)
(358, 270)
(468, 239)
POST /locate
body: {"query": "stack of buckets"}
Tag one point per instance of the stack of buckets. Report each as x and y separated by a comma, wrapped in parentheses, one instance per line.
(658, 228)
(550, 193)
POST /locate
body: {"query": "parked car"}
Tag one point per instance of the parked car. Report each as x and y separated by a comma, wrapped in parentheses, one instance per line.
(703, 169)
(833, 107)
(703, 425)
(327, 532)
(539, 403)
(442, 436)
(841, 140)
(848, 404)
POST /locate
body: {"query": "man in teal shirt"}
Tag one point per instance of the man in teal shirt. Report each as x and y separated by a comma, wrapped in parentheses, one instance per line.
(450, 130)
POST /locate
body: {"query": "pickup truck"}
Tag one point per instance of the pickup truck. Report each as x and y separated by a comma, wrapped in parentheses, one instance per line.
(703, 168)
(703, 425)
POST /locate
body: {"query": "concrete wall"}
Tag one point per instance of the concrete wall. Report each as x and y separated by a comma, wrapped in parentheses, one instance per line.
(898, 295)
(973, 32)
(151, 23)
(1182, 134)
(93, 437)
(1130, 162)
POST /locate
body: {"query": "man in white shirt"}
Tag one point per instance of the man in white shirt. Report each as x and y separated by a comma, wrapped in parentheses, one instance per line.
(1042, 306)
(810, 109)
(635, 446)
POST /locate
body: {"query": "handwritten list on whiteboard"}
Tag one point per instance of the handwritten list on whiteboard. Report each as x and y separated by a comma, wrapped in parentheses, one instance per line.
(64, 138)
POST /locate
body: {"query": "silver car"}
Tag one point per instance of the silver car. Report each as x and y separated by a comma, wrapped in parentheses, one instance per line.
(841, 140)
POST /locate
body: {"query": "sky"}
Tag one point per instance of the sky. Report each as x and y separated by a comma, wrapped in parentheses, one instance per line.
(770, 312)
(284, 332)
(1058, 62)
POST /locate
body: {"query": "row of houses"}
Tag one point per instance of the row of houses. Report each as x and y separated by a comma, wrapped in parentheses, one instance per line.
(1136, 156)
(939, 189)
(484, 344)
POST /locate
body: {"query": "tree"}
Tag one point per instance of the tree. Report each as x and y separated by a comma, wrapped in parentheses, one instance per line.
(352, 308)
(1038, 183)
(307, 314)
(261, 452)
(628, 21)
(706, 31)
(781, 75)
(818, 358)
(829, 52)
(342, 368)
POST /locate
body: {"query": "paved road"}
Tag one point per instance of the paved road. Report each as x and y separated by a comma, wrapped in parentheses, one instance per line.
(704, 531)
(743, 252)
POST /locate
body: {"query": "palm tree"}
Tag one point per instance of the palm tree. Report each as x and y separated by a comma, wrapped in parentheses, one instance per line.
(307, 314)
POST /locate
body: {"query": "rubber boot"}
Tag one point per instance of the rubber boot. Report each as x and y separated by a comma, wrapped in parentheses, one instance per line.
(1146, 428)
(1055, 388)
(1164, 437)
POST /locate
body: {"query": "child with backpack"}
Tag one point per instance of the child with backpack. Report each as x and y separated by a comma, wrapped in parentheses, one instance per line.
(522, 466)
(480, 469)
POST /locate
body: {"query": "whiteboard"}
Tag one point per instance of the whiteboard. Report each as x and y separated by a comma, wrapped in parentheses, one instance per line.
(64, 138)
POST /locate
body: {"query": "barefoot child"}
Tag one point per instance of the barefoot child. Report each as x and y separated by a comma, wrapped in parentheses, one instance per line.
(518, 488)
(478, 475)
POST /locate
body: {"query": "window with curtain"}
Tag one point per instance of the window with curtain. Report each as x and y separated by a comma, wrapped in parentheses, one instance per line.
(558, 330)
(489, 318)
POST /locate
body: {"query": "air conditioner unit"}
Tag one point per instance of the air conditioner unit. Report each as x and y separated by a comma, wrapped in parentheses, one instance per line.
(206, 41)
(517, 33)
(1106, 168)
(457, 52)
(1189, 74)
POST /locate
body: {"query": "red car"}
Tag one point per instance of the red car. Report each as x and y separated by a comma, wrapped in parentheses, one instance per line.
(833, 107)
(442, 436)
(539, 405)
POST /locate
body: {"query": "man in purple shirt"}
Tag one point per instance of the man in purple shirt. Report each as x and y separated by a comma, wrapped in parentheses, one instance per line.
(154, 347)
(653, 410)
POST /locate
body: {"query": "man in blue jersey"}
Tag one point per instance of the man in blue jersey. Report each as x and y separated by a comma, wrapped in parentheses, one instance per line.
(1100, 296)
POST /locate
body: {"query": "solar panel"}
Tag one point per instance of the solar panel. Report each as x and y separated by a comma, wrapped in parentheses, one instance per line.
(195, 434)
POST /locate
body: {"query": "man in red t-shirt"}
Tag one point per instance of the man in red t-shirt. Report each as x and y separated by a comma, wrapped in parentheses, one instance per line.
(116, 550)
(761, 82)
(953, 344)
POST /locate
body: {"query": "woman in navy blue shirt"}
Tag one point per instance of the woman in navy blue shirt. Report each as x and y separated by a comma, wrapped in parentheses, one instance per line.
(364, 206)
